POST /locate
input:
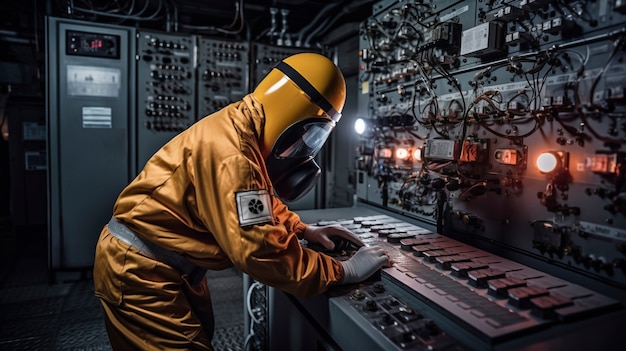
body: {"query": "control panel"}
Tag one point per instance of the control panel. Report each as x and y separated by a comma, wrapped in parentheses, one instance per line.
(500, 123)
(371, 309)
(223, 69)
(443, 294)
(166, 80)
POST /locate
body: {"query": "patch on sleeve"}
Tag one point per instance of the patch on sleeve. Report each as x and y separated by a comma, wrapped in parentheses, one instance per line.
(254, 207)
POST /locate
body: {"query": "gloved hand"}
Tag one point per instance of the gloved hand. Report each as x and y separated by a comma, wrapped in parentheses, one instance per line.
(321, 235)
(363, 264)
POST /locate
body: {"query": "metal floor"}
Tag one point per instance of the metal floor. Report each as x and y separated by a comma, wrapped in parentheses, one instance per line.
(37, 315)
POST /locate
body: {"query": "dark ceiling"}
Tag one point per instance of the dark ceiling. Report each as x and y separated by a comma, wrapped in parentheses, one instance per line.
(312, 19)
(302, 23)
(303, 18)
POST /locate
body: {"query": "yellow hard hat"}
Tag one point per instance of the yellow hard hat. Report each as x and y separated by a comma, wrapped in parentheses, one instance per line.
(300, 87)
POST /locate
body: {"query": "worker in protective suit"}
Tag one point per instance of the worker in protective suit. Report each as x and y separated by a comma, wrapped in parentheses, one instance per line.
(207, 200)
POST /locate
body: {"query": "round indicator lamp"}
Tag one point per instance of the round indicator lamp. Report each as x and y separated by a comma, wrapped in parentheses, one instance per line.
(548, 162)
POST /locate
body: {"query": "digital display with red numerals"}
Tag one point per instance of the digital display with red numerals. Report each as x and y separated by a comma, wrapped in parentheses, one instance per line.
(95, 43)
(92, 44)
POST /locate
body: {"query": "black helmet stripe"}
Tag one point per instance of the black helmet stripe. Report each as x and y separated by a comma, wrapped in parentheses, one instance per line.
(309, 89)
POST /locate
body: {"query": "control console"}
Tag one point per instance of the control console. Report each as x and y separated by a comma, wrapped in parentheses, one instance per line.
(385, 322)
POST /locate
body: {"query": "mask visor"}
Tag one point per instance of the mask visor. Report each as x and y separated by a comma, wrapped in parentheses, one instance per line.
(303, 139)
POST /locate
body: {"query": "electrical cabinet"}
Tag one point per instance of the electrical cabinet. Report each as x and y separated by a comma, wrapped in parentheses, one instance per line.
(90, 81)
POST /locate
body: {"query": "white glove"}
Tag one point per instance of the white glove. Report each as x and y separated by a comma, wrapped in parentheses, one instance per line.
(363, 264)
